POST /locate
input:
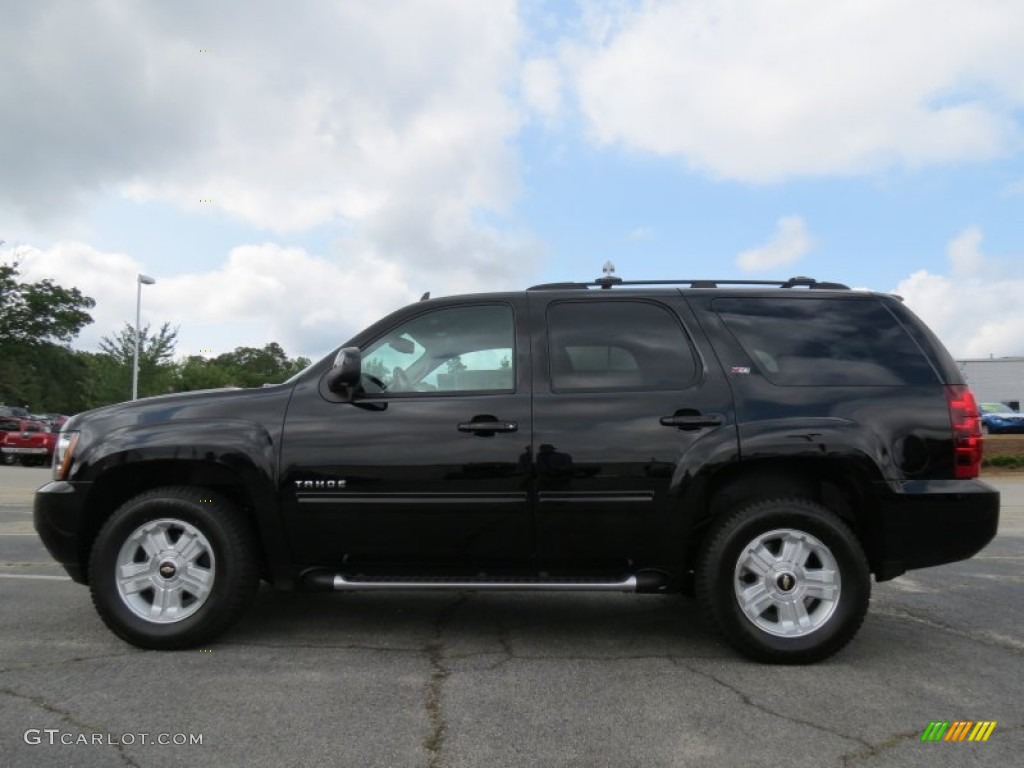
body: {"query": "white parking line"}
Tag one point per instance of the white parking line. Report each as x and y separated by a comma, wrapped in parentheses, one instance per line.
(33, 576)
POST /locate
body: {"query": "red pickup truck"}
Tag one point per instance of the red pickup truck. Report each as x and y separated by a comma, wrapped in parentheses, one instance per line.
(27, 441)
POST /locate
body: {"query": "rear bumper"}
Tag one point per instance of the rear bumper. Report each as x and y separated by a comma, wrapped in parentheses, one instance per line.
(931, 522)
(57, 514)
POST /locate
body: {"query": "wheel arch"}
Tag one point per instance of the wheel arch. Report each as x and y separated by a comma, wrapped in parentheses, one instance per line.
(843, 485)
(126, 481)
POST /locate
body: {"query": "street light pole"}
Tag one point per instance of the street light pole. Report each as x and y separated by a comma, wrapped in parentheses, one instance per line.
(140, 281)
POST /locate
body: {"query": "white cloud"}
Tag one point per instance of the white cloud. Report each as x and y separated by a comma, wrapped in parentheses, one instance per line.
(542, 87)
(260, 293)
(964, 253)
(389, 121)
(976, 310)
(762, 90)
(789, 244)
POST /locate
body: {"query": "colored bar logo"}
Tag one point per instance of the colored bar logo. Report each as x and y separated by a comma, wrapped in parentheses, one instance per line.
(958, 730)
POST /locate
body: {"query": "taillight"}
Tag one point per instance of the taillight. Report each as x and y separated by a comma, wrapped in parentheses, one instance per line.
(967, 436)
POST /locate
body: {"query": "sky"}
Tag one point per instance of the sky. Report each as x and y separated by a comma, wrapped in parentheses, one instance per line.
(291, 172)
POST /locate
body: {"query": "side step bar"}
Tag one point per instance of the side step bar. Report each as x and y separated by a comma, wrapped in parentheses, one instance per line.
(647, 582)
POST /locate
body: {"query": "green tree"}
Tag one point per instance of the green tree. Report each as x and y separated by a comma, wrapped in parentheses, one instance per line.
(46, 378)
(197, 372)
(253, 367)
(108, 380)
(39, 313)
(35, 320)
(155, 350)
(112, 367)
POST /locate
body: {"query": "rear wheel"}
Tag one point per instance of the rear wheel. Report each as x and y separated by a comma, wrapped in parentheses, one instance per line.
(785, 580)
(173, 568)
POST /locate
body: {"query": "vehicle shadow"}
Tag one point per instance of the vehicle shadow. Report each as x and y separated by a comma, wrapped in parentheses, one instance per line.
(539, 624)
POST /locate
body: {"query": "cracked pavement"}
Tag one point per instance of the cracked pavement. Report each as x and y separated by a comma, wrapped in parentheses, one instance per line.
(441, 680)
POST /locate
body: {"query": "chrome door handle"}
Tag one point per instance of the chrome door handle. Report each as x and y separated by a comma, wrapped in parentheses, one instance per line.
(487, 428)
(692, 421)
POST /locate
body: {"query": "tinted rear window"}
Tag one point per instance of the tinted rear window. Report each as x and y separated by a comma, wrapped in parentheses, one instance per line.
(815, 342)
(617, 345)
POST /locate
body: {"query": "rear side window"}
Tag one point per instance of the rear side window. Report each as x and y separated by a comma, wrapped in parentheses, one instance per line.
(816, 342)
(617, 345)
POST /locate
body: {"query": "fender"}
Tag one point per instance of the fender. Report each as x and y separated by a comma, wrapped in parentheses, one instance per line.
(791, 456)
(817, 438)
(240, 444)
(242, 447)
(694, 475)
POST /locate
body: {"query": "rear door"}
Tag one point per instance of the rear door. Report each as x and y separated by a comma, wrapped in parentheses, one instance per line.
(623, 403)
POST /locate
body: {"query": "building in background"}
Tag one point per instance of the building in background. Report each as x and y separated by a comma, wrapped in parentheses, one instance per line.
(995, 379)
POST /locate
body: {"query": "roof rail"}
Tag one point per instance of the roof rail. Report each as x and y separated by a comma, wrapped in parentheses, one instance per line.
(557, 286)
(609, 282)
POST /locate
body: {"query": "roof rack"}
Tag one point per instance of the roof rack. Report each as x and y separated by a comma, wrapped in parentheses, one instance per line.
(609, 281)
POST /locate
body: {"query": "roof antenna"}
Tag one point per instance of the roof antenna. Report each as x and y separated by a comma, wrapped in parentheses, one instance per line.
(609, 278)
(425, 296)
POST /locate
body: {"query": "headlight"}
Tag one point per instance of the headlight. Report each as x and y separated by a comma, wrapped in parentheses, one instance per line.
(62, 454)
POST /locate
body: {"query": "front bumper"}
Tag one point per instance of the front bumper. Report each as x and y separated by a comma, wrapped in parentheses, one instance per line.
(57, 513)
(931, 522)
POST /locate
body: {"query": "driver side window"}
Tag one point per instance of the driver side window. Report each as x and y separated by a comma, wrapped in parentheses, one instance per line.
(458, 349)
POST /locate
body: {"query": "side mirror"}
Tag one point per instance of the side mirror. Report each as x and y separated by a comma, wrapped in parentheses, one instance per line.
(348, 365)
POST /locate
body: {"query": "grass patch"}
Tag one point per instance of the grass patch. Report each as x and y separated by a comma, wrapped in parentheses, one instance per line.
(1004, 462)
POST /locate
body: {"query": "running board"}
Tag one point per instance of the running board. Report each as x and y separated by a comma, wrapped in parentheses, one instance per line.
(340, 583)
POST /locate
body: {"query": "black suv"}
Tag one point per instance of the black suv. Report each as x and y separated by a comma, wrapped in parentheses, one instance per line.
(767, 446)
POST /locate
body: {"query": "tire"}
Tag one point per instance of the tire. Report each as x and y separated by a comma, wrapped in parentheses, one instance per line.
(173, 568)
(785, 581)
(985, 429)
(9, 459)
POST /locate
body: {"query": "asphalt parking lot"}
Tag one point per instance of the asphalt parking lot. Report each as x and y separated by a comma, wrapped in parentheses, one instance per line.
(505, 679)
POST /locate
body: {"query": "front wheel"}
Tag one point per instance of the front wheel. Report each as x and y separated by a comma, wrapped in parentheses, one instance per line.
(785, 580)
(173, 568)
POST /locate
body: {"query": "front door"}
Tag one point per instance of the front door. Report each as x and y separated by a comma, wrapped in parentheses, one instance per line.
(429, 464)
